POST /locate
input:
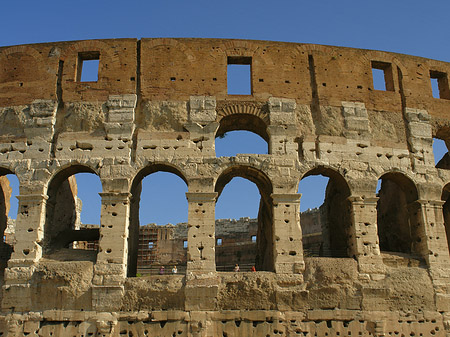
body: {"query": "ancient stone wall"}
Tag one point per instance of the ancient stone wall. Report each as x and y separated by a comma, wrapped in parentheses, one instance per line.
(158, 105)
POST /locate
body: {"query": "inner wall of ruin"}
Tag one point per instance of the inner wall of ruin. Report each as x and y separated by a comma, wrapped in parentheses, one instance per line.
(158, 105)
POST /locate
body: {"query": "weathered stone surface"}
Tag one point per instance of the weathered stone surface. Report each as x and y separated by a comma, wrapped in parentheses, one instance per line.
(379, 263)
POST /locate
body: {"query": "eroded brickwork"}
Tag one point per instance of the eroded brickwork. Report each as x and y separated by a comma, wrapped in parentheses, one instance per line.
(158, 105)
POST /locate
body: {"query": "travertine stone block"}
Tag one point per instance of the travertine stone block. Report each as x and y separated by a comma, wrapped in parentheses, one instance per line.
(202, 109)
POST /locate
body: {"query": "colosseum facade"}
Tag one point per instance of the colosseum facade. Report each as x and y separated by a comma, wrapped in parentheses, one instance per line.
(158, 105)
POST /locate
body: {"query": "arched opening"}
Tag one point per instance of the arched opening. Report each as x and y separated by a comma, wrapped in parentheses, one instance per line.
(326, 220)
(9, 190)
(396, 214)
(446, 211)
(72, 225)
(158, 230)
(441, 142)
(247, 241)
(440, 151)
(241, 133)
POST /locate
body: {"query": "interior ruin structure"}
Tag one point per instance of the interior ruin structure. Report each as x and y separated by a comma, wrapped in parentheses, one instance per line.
(158, 105)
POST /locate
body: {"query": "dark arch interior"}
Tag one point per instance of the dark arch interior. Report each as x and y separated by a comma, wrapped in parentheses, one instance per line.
(62, 216)
(134, 241)
(334, 217)
(446, 211)
(264, 259)
(396, 214)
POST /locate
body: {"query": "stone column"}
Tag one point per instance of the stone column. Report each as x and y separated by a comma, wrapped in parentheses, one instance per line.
(110, 271)
(363, 234)
(288, 247)
(201, 280)
(433, 246)
(27, 251)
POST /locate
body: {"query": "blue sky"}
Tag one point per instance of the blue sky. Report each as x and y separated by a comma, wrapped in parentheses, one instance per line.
(410, 27)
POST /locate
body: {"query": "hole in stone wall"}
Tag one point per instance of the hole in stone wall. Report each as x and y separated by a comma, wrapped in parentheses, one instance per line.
(239, 75)
(70, 223)
(158, 224)
(440, 152)
(439, 84)
(396, 214)
(325, 213)
(244, 223)
(87, 66)
(382, 76)
(241, 133)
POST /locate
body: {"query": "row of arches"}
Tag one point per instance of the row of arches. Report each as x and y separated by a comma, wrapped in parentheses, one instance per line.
(396, 212)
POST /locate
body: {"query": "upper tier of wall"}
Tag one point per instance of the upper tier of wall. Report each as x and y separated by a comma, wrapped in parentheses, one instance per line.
(174, 69)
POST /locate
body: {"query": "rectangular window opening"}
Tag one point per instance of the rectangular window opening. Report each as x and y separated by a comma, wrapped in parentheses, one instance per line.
(87, 67)
(219, 242)
(439, 84)
(253, 238)
(382, 76)
(185, 244)
(239, 75)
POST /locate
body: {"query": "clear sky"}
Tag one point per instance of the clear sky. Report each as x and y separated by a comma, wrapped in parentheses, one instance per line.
(410, 27)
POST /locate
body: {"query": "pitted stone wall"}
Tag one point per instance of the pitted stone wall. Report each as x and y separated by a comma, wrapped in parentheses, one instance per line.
(158, 105)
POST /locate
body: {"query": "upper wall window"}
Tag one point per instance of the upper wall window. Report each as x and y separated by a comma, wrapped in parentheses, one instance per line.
(239, 75)
(87, 66)
(382, 76)
(439, 84)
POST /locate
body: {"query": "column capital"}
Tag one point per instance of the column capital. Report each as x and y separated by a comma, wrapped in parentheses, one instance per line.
(115, 196)
(357, 199)
(426, 202)
(32, 197)
(285, 198)
(201, 196)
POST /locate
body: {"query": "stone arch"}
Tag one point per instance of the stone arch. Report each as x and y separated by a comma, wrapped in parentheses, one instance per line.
(397, 212)
(62, 215)
(161, 42)
(248, 117)
(134, 223)
(264, 259)
(335, 213)
(240, 48)
(17, 69)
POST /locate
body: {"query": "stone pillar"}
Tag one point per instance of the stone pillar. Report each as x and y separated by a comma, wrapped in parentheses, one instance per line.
(288, 247)
(202, 125)
(363, 235)
(282, 129)
(27, 251)
(201, 279)
(111, 267)
(420, 139)
(120, 117)
(356, 120)
(201, 232)
(433, 246)
(431, 232)
(40, 127)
